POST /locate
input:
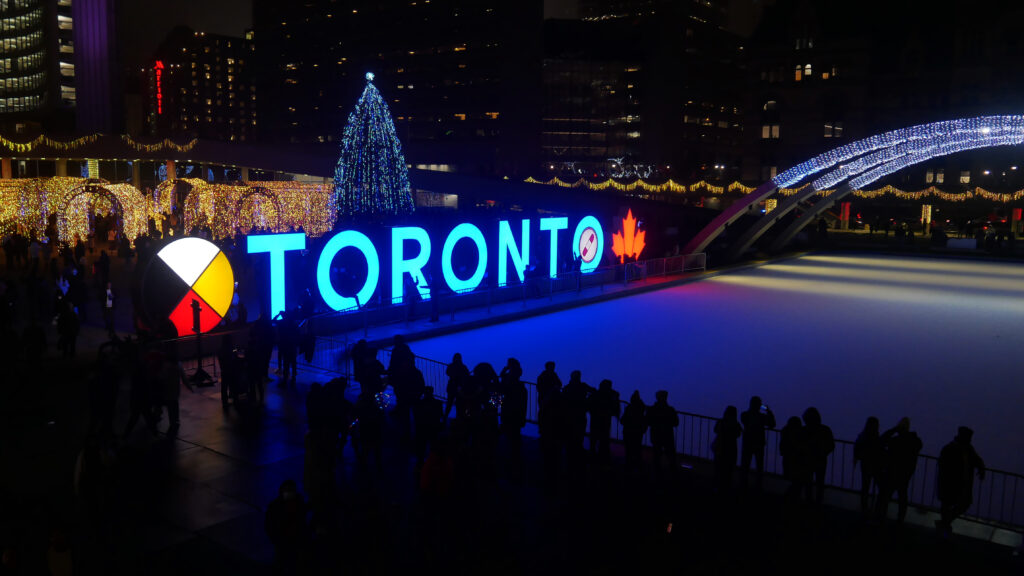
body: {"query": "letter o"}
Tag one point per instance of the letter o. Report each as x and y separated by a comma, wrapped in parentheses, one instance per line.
(342, 240)
(464, 230)
(588, 222)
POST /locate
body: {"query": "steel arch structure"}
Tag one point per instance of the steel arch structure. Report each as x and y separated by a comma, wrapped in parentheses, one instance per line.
(842, 170)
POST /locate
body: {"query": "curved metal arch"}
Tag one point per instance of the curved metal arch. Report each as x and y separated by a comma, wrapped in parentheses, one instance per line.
(770, 219)
(859, 163)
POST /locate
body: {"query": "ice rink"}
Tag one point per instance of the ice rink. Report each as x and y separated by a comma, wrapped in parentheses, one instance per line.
(938, 340)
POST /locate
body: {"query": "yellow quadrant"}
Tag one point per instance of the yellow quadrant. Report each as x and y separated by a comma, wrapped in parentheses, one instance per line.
(217, 284)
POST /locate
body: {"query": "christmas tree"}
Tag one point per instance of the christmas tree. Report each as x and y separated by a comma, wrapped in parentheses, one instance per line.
(371, 177)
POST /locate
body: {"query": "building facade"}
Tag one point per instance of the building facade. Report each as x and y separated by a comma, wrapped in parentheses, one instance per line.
(462, 78)
(58, 67)
(200, 85)
(642, 88)
(821, 76)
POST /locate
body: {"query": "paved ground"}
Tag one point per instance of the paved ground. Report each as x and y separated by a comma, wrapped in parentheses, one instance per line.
(195, 504)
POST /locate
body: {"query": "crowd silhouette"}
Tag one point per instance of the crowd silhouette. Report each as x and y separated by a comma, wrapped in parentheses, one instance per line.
(473, 431)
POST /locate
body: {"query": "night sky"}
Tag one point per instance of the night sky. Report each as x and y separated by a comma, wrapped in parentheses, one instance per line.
(146, 24)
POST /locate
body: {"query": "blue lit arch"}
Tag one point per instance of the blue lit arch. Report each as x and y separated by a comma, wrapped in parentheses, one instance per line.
(854, 166)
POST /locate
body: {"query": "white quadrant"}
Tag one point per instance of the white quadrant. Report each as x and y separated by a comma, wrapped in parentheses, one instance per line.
(188, 257)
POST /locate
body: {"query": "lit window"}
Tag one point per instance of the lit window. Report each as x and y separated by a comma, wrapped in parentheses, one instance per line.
(807, 70)
(770, 106)
(965, 176)
(459, 116)
(798, 73)
(929, 176)
(770, 131)
(940, 176)
(833, 130)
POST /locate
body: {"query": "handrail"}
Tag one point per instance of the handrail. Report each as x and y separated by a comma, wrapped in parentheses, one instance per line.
(995, 499)
(532, 287)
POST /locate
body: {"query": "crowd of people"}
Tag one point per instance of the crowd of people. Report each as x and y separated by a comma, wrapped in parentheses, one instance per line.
(477, 427)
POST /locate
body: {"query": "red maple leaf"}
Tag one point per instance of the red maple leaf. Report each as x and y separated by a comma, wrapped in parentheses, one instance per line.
(631, 242)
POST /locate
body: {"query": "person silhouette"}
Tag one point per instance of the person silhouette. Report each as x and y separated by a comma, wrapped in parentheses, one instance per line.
(793, 449)
(900, 448)
(428, 415)
(663, 420)
(287, 527)
(457, 373)
(820, 443)
(727, 434)
(513, 406)
(547, 382)
(603, 406)
(634, 425)
(758, 418)
(958, 464)
(867, 451)
(574, 420)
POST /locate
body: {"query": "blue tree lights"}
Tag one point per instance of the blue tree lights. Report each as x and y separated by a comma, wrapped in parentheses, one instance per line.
(371, 178)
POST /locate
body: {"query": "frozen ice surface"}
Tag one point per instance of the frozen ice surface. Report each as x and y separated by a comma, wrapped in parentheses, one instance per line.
(940, 341)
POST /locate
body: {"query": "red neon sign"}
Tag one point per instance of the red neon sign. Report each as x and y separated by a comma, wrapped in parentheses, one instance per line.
(630, 243)
(159, 70)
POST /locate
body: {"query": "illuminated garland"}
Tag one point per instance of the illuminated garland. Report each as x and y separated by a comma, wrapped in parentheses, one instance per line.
(669, 186)
(41, 140)
(371, 177)
(64, 146)
(703, 186)
(167, 143)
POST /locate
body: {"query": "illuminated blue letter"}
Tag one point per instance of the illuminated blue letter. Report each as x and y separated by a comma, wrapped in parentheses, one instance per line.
(554, 225)
(342, 240)
(400, 266)
(507, 244)
(464, 230)
(276, 245)
(598, 248)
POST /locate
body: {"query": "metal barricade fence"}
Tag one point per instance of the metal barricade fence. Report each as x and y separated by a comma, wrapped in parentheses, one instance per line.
(995, 497)
(378, 312)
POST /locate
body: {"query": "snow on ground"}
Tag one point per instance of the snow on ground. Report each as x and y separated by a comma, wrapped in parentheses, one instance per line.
(940, 341)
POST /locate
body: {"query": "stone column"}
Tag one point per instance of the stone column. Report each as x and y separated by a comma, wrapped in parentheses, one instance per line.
(171, 174)
(62, 167)
(245, 174)
(5, 168)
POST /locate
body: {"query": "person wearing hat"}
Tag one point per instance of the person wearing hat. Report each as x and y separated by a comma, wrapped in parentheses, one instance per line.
(958, 463)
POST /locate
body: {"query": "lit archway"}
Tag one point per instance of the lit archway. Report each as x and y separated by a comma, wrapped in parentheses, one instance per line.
(844, 169)
(75, 206)
(257, 207)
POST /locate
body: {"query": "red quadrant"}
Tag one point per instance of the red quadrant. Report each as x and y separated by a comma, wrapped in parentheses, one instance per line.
(181, 316)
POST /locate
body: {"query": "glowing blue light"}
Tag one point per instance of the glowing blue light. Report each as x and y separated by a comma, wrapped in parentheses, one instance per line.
(588, 222)
(507, 249)
(414, 267)
(342, 240)
(464, 230)
(276, 245)
(554, 225)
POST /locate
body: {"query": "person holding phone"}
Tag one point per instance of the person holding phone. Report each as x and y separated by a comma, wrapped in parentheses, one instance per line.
(755, 421)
